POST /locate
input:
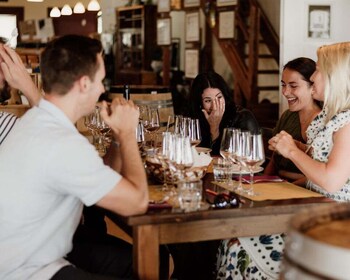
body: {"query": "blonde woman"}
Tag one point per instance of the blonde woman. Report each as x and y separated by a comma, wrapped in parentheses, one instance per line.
(329, 133)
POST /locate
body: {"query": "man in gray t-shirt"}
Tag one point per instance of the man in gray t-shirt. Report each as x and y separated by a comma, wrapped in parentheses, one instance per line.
(49, 171)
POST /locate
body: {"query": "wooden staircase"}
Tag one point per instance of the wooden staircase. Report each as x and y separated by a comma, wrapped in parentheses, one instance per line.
(253, 56)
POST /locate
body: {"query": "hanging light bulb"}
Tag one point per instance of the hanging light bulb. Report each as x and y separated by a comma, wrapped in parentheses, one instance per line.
(79, 8)
(93, 6)
(35, 0)
(66, 10)
(55, 12)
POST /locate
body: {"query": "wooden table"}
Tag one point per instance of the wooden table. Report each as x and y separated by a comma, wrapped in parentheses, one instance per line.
(171, 226)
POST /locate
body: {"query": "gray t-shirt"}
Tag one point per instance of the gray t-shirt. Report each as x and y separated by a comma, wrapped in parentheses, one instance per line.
(47, 170)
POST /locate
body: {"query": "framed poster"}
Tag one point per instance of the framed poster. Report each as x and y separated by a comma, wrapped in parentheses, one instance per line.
(163, 6)
(191, 63)
(191, 3)
(319, 22)
(192, 27)
(164, 31)
(226, 25)
(221, 3)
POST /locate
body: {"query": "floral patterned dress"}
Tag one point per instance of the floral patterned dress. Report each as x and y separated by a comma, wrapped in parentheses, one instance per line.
(260, 257)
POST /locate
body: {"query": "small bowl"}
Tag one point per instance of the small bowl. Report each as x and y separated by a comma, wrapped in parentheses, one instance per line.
(155, 170)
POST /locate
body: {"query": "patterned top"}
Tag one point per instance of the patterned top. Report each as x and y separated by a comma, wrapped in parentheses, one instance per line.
(320, 137)
(7, 121)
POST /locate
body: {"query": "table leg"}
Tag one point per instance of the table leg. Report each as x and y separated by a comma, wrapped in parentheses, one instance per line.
(146, 252)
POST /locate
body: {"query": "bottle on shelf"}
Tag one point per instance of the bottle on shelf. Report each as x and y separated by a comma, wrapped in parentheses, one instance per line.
(126, 93)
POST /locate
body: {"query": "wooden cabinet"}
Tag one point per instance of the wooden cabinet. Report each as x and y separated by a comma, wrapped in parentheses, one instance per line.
(136, 44)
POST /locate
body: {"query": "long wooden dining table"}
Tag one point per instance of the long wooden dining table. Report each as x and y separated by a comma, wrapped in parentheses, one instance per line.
(166, 226)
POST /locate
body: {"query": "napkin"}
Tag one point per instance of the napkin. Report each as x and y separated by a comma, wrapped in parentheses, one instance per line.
(201, 158)
(275, 191)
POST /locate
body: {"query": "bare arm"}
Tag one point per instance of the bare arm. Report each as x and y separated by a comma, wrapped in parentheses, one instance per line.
(17, 76)
(331, 175)
(130, 195)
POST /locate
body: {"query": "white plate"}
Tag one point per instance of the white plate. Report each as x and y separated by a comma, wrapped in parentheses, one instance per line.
(245, 171)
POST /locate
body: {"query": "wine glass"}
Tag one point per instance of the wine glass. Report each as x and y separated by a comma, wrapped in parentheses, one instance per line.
(151, 123)
(242, 140)
(195, 132)
(254, 157)
(228, 148)
(181, 157)
(140, 135)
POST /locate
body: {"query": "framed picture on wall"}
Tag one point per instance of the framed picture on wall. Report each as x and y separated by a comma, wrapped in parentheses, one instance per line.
(163, 6)
(221, 3)
(226, 25)
(191, 3)
(191, 63)
(164, 31)
(319, 22)
(192, 27)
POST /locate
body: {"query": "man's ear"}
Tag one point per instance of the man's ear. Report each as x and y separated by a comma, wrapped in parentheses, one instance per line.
(84, 83)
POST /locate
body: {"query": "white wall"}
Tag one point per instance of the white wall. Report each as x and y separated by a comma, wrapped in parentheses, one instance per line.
(294, 24)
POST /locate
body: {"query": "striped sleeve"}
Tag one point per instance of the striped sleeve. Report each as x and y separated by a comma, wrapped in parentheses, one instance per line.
(7, 121)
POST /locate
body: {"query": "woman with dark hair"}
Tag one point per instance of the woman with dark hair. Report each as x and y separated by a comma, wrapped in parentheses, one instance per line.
(297, 89)
(211, 102)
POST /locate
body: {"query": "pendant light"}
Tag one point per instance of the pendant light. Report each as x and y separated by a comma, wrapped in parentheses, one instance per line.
(93, 6)
(55, 12)
(79, 8)
(66, 10)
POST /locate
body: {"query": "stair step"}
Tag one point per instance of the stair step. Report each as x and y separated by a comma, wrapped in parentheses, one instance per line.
(268, 71)
(268, 87)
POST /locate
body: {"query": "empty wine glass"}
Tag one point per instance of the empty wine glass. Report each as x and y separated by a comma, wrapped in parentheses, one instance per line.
(195, 132)
(240, 154)
(228, 148)
(181, 157)
(140, 135)
(254, 157)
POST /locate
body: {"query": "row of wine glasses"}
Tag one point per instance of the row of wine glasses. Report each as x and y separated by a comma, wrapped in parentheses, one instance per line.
(185, 126)
(245, 149)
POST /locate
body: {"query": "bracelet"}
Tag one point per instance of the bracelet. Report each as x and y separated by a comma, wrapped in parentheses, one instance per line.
(115, 144)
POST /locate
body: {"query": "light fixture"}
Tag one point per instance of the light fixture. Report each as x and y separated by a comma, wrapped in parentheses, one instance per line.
(55, 12)
(35, 0)
(79, 8)
(93, 6)
(66, 10)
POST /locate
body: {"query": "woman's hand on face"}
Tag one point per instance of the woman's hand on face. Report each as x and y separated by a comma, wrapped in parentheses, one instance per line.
(217, 111)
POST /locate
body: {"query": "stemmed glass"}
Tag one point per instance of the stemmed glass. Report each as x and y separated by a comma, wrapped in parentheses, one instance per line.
(242, 142)
(195, 132)
(181, 157)
(254, 157)
(228, 147)
(151, 123)
(174, 123)
(99, 129)
(140, 135)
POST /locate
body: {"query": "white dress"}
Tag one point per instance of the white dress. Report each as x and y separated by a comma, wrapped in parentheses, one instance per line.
(320, 137)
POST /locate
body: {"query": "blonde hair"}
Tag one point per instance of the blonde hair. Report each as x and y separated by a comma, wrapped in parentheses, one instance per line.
(334, 64)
